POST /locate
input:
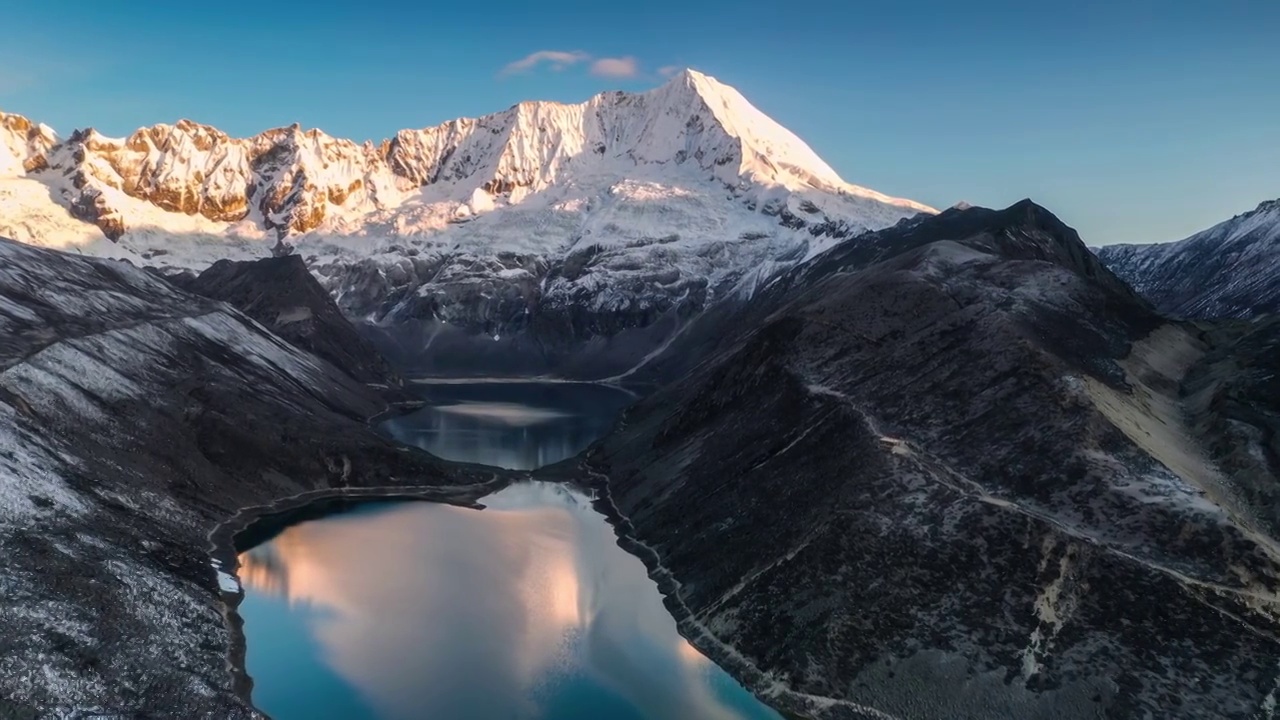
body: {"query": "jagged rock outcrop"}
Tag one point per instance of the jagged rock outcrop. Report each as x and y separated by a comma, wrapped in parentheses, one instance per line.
(282, 295)
(1230, 270)
(283, 180)
(957, 469)
(24, 146)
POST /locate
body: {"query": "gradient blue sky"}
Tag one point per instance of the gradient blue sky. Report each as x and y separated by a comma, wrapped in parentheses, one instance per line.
(1133, 120)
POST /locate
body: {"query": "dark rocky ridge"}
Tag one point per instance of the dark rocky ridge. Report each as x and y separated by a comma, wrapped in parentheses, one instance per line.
(1023, 231)
(957, 469)
(134, 418)
(282, 294)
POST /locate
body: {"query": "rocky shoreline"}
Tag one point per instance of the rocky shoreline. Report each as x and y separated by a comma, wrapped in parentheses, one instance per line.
(768, 690)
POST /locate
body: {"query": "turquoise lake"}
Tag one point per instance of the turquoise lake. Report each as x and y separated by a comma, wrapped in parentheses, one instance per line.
(525, 610)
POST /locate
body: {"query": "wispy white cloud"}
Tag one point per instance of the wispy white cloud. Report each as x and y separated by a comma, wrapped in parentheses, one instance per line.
(669, 70)
(556, 59)
(626, 66)
(623, 67)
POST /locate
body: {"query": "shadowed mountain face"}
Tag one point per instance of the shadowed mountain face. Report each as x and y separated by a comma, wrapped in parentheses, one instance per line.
(958, 469)
(1023, 232)
(1230, 270)
(281, 294)
(1233, 398)
(134, 418)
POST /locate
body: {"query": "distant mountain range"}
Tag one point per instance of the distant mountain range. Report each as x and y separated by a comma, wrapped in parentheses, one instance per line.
(1230, 270)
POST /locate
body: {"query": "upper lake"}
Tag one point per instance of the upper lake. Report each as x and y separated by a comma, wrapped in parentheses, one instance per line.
(513, 425)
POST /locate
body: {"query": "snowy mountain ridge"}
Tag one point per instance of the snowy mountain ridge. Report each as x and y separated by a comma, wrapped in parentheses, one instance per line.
(587, 220)
(1229, 270)
(290, 181)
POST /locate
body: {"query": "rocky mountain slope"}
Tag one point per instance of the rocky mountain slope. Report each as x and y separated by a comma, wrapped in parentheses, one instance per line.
(955, 468)
(134, 418)
(958, 469)
(282, 295)
(573, 237)
(1230, 270)
(1233, 398)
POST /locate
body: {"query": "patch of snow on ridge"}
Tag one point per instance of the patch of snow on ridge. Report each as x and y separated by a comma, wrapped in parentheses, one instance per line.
(31, 483)
(227, 582)
(33, 216)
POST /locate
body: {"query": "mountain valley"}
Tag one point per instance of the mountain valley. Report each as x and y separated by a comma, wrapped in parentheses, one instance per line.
(883, 462)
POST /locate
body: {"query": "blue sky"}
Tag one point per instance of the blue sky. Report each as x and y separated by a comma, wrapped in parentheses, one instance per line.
(1133, 120)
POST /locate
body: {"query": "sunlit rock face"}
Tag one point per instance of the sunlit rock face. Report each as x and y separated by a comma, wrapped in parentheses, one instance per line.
(418, 606)
(23, 145)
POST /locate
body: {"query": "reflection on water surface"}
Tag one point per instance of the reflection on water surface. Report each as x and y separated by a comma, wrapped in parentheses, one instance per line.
(515, 425)
(527, 609)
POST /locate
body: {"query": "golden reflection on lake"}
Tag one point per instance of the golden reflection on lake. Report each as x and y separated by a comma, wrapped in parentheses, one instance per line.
(430, 610)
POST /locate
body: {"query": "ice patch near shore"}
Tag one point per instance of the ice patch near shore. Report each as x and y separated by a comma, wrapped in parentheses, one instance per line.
(227, 583)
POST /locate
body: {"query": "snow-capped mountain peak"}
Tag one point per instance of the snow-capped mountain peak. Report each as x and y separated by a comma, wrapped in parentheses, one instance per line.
(589, 220)
(290, 181)
(771, 153)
